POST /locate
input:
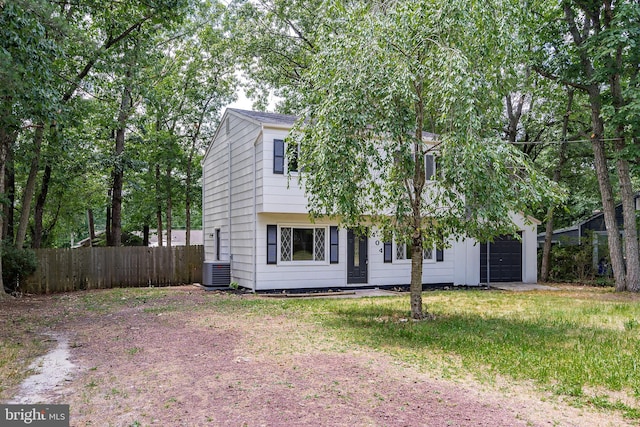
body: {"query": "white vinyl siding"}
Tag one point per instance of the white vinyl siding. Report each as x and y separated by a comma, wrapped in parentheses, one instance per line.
(298, 274)
(228, 197)
(278, 193)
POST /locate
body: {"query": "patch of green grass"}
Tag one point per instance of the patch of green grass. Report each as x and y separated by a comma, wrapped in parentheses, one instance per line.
(133, 350)
(562, 343)
(568, 342)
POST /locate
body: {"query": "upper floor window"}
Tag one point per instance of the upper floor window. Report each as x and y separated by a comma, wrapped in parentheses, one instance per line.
(293, 156)
(430, 167)
(288, 154)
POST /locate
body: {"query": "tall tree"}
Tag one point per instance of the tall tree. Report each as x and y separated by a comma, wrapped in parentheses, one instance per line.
(276, 41)
(372, 91)
(27, 77)
(590, 51)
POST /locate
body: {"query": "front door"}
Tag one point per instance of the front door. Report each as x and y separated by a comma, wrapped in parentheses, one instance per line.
(357, 259)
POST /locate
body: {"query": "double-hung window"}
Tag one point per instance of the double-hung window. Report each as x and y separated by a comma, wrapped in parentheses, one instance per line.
(403, 252)
(285, 154)
(293, 157)
(303, 243)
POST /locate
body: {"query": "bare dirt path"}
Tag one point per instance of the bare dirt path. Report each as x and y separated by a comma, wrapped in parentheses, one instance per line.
(148, 363)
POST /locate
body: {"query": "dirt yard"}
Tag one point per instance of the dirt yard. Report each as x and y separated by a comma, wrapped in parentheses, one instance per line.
(167, 362)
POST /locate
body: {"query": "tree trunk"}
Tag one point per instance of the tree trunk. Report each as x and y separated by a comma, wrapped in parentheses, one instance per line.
(599, 154)
(158, 206)
(118, 170)
(145, 235)
(169, 206)
(624, 178)
(4, 149)
(107, 230)
(546, 250)
(92, 228)
(632, 265)
(39, 210)
(417, 310)
(606, 191)
(10, 191)
(513, 117)
(30, 187)
(187, 200)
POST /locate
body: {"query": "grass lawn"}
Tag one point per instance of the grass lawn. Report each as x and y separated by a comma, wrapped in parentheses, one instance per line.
(582, 343)
(579, 343)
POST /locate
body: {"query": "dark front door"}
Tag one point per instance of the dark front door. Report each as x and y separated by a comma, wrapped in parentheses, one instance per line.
(356, 258)
(505, 260)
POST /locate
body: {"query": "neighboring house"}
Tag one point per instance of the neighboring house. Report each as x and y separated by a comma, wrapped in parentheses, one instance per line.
(595, 225)
(178, 238)
(257, 231)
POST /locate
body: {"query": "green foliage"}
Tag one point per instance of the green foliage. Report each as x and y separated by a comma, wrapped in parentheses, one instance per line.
(16, 264)
(571, 263)
(574, 263)
(373, 88)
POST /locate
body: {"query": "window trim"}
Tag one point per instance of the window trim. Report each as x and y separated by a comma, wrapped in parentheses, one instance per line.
(327, 254)
(387, 253)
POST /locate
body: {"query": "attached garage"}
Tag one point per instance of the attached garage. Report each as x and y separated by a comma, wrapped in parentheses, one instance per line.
(505, 260)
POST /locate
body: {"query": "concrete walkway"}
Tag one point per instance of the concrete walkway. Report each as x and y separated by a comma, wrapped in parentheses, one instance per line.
(349, 293)
(359, 293)
(521, 287)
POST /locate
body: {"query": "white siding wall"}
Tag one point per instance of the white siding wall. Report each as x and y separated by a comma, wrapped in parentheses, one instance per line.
(215, 197)
(324, 274)
(231, 208)
(243, 194)
(529, 252)
(292, 275)
(281, 194)
(398, 272)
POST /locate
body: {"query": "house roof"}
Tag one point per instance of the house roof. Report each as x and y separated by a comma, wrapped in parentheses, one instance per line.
(267, 118)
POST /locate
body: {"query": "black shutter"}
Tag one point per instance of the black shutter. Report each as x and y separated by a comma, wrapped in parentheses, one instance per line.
(272, 244)
(333, 245)
(217, 244)
(278, 156)
(440, 250)
(388, 257)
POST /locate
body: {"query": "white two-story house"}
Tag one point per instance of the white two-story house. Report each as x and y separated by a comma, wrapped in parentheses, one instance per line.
(257, 229)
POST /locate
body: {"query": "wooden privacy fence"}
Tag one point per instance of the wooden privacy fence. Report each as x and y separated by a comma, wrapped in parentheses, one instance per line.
(99, 268)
